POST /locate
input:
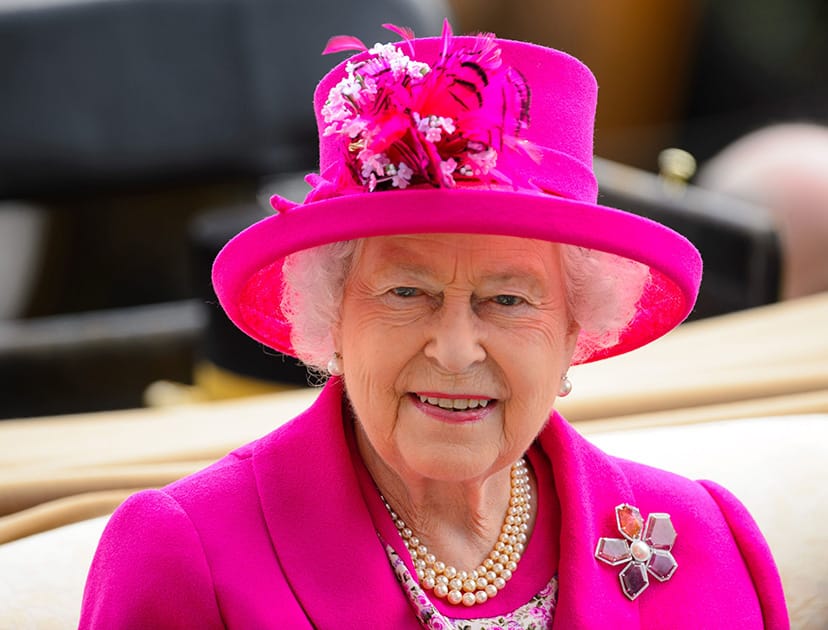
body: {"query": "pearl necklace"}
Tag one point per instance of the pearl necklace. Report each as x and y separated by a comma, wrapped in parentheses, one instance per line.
(484, 582)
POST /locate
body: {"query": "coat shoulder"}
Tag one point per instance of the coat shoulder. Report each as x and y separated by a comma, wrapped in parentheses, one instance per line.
(715, 536)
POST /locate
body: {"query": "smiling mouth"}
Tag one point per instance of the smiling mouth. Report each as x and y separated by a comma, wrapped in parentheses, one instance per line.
(454, 404)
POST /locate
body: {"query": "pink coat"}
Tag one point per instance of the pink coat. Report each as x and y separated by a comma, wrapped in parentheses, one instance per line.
(277, 535)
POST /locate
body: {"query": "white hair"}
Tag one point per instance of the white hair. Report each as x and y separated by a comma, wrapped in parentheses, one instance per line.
(602, 291)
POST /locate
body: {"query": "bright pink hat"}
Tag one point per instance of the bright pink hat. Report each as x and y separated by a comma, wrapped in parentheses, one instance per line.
(455, 135)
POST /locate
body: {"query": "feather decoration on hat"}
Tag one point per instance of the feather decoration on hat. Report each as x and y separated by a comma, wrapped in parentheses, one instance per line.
(404, 122)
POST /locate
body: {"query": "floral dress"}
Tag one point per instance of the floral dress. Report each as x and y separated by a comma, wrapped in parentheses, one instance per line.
(536, 614)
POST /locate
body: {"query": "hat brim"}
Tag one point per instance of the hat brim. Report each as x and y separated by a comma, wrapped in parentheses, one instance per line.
(247, 274)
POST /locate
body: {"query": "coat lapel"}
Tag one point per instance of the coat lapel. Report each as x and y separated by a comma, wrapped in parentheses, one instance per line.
(322, 533)
(590, 485)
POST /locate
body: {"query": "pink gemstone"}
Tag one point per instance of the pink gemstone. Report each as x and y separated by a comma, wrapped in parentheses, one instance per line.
(613, 550)
(660, 532)
(630, 522)
(662, 565)
(633, 580)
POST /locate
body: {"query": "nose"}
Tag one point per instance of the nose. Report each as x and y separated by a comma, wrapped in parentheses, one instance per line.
(455, 338)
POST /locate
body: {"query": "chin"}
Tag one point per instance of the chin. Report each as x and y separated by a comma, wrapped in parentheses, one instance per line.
(452, 464)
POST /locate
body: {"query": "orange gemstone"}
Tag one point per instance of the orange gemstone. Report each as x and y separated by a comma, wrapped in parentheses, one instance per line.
(629, 521)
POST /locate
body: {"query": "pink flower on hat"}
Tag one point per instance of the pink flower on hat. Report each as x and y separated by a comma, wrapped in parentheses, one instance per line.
(405, 122)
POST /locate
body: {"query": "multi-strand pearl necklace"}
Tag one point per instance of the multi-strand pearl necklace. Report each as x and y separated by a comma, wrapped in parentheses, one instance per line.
(484, 582)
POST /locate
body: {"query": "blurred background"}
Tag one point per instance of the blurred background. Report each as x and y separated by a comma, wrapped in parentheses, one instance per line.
(137, 136)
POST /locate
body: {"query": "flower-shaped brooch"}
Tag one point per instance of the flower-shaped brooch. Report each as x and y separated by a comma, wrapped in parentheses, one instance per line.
(644, 549)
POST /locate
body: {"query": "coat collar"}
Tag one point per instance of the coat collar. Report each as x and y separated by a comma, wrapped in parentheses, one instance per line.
(321, 530)
(328, 548)
(590, 484)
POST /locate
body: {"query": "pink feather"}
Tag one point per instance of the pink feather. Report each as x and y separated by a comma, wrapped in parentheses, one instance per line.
(447, 34)
(403, 31)
(341, 43)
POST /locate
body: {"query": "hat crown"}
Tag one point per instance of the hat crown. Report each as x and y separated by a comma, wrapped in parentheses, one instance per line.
(562, 100)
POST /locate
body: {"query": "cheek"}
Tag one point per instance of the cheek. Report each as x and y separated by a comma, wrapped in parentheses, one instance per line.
(534, 359)
(545, 339)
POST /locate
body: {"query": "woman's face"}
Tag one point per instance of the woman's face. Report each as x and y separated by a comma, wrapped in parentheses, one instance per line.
(475, 323)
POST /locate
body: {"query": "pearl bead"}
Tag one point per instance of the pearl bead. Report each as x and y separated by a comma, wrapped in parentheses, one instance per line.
(491, 590)
(441, 590)
(480, 597)
(429, 582)
(481, 583)
(469, 599)
(450, 572)
(499, 583)
(506, 575)
(454, 597)
(640, 551)
(455, 584)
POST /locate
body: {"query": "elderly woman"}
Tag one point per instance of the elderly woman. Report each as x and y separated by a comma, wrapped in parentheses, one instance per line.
(447, 268)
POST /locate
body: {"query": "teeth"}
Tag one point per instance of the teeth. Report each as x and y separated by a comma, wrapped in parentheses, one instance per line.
(454, 403)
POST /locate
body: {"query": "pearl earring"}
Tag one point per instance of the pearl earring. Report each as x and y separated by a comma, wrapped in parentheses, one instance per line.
(335, 365)
(566, 386)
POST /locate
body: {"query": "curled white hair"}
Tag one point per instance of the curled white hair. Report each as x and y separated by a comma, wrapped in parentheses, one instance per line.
(314, 280)
(602, 292)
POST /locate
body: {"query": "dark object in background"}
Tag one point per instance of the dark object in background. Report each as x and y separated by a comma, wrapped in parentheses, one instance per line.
(108, 93)
(221, 343)
(758, 62)
(96, 360)
(738, 241)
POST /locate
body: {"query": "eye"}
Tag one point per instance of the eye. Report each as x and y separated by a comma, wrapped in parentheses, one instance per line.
(405, 292)
(507, 300)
